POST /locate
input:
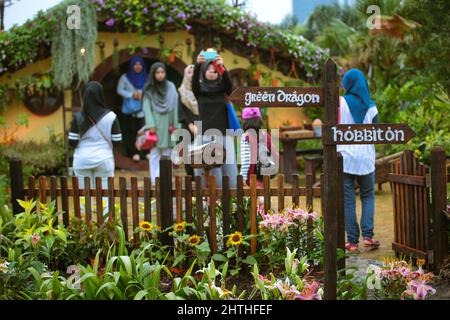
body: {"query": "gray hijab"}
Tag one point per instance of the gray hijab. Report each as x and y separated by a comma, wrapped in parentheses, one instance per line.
(163, 95)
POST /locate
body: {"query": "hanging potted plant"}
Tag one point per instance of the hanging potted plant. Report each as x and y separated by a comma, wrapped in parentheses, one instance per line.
(39, 94)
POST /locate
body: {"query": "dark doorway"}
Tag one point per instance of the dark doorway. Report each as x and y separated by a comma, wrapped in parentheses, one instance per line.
(114, 101)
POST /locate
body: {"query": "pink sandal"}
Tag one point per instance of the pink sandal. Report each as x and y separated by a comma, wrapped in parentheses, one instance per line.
(351, 247)
(369, 242)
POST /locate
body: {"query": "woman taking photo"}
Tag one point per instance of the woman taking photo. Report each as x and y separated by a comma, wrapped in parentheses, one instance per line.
(160, 103)
(210, 83)
(130, 88)
(188, 111)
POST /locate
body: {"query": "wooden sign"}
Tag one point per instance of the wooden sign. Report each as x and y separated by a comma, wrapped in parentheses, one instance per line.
(278, 97)
(395, 133)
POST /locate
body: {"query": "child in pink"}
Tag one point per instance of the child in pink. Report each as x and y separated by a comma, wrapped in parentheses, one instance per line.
(253, 143)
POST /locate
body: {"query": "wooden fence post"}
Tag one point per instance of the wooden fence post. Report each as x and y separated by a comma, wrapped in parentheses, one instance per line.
(439, 204)
(329, 193)
(340, 211)
(165, 169)
(16, 183)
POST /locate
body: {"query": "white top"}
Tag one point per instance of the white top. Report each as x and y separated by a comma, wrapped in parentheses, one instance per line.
(93, 148)
(359, 159)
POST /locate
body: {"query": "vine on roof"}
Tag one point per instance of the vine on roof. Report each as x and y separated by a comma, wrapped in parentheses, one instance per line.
(22, 45)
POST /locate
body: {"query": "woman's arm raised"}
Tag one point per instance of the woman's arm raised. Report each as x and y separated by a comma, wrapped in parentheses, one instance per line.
(196, 80)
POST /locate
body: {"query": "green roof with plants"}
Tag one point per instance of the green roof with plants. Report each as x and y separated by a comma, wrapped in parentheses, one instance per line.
(37, 38)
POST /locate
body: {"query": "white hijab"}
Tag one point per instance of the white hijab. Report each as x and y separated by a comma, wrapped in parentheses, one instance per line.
(186, 94)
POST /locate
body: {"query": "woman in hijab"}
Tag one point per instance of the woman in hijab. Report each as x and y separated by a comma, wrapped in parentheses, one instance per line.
(188, 111)
(356, 107)
(130, 89)
(93, 133)
(210, 84)
(160, 103)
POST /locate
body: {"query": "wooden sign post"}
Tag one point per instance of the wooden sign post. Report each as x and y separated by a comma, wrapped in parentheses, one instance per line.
(332, 134)
(328, 97)
(330, 210)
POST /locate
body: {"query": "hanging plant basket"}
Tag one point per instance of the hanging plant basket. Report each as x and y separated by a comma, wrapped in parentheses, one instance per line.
(39, 94)
(44, 103)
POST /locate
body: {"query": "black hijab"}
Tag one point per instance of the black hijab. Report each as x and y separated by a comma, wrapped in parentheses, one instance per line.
(93, 107)
(210, 85)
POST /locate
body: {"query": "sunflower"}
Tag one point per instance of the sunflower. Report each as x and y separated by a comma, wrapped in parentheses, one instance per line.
(420, 262)
(234, 239)
(179, 227)
(194, 240)
(147, 226)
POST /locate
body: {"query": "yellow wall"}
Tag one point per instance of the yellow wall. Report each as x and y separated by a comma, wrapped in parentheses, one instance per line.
(38, 125)
(37, 129)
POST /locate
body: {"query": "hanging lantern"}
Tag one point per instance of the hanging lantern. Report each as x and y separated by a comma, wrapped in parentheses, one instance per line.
(272, 58)
(172, 57)
(274, 82)
(115, 56)
(101, 45)
(293, 72)
(188, 47)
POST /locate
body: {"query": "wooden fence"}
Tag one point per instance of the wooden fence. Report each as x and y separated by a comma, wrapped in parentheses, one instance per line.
(67, 196)
(419, 201)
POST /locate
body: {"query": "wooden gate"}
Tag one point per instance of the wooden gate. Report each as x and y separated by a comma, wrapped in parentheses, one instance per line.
(419, 203)
(411, 201)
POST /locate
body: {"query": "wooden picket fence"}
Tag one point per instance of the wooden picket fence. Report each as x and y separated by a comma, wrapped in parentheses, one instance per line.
(67, 197)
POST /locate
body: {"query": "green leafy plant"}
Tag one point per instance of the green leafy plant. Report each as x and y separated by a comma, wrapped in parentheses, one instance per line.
(35, 85)
(40, 235)
(9, 136)
(16, 280)
(235, 241)
(291, 228)
(420, 103)
(207, 288)
(38, 158)
(87, 238)
(150, 244)
(294, 285)
(397, 279)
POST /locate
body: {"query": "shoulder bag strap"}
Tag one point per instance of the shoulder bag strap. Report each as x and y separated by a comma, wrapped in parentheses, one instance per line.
(100, 131)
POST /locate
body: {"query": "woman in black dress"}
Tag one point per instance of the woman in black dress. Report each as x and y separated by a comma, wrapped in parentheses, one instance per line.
(211, 83)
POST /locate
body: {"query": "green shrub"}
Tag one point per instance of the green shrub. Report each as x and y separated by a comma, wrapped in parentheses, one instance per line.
(39, 158)
(421, 104)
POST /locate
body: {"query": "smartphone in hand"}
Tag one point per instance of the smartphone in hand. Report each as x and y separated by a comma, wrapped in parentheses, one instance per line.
(209, 54)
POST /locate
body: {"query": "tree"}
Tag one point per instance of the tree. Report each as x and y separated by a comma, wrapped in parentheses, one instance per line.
(3, 5)
(431, 46)
(238, 3)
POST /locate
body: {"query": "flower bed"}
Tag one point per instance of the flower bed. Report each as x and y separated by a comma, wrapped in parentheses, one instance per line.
(37, 258)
